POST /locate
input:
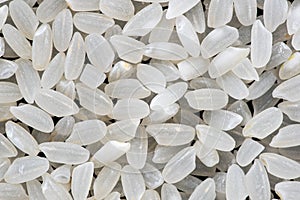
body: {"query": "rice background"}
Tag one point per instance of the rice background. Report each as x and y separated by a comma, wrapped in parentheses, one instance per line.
(149, 99)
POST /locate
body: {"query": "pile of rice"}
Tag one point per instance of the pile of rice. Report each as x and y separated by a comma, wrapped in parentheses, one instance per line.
(149, 99)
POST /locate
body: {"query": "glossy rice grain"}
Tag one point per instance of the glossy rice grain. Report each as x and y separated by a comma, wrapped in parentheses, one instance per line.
(207, 99)
(23, 17)
(264, 123)
(143, 21)
(261, 44)
(119, 9)
(21, 138)
(34, 117)
(42, 47)
(28, 80)
(219, 13)
(26, 169)
(62, 29)
(66, 153)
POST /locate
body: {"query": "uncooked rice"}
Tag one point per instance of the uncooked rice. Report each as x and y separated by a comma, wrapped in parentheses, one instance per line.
(149, 99)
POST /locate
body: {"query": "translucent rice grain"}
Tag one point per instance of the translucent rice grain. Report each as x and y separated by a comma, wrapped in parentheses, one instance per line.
(28, 80)
(180, 165)
(113, 196)
(62, 174)
(218, 40)
(137, 154)
(178, 7)
(291, 109)
(280, 53)
(291, 67)
(257, 182)
(245, 11)
(219, 13)
(280, 166)
(248, 151)
(214, 138)
(169, 70)
(12, 191)
(89, 22)
(123, 130)
(275, 13)
(165, 51)
(92, 77)
(292, 23)
(3, 15)
(287, 136)
(197, 17)
(34, 117)
(288, 90)
(169, 191)
(21, 138)
(288, 190)
(17, 41)
(261, 44)
(88, 5)
(128, 49)
(207, 99)
(121, 70)
(143, 21)
(130, 109)
(151, 78)
(54, 190)
(54, 71)
(110, 152)
(7, 68)
(4, 165)
(75, 57)
(169, 134)
(151, 195)
(9, 92)
(192, 67)
(233, 86)
(126, 88)
(222, 119)
(161, 115)
(26, 169)
(49, 9)
(235, 183)
(7, 148)
(62, 29)
(187, 35)
(106, 180)
(66, 153)
(162, 154)
(118, 9)
(2, 46)
(204, 191)
(42, 47)
(23, 17)
(226, 61)
(67, 88)
(169, 96)
(94, 100)
(188, 184)
(95, 45)
(245, 70)
(296, 41)
(5, 114)
(56, 103)
(163, 30)
(34, 190)
(264, 123)
(81, 180)
(152, 176)
(132, 182)
(87, 132)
